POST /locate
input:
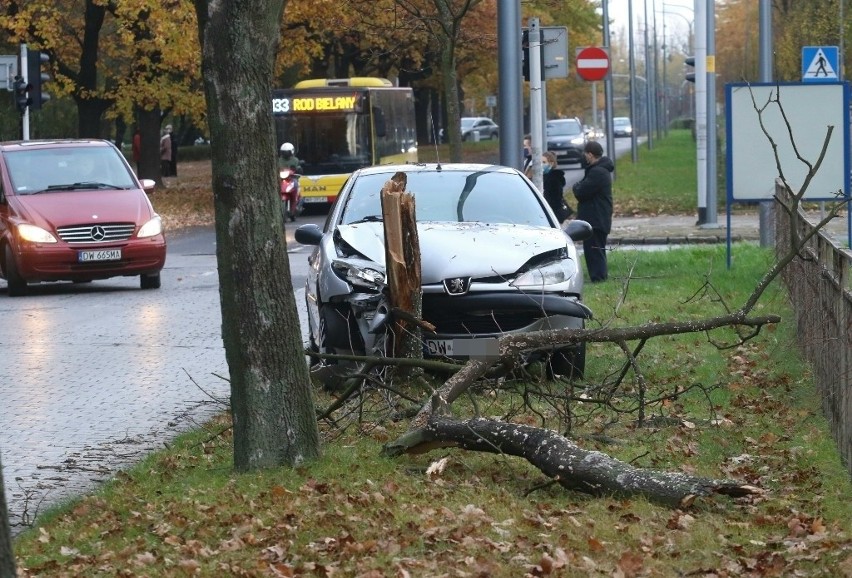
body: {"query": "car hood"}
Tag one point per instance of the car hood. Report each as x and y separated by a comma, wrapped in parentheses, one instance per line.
(59, 209)
(450, 250)
(563, 137)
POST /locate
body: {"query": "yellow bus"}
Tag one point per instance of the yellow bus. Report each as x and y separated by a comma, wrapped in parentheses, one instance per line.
(340, 125)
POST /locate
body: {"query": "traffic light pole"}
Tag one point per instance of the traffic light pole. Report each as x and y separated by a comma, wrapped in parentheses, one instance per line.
(25, 115)
(536, 101)
(701, 106)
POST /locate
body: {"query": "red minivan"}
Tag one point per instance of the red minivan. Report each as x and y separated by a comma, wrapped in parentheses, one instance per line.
(73, 210)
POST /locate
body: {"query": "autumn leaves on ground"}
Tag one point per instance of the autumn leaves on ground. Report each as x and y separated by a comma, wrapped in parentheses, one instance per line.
(755, 418)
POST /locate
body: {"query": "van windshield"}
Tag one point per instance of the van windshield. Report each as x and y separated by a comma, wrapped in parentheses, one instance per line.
(72, 168)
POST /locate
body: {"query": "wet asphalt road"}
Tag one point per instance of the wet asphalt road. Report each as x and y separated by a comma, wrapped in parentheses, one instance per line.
(97, 375)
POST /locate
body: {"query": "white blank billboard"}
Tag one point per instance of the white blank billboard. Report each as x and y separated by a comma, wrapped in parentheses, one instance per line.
(810, 109)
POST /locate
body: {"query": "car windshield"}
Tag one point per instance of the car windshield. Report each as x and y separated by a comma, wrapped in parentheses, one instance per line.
(467, 123)
(621, 121)
(34, 171)
(563, 128)
(455, 196)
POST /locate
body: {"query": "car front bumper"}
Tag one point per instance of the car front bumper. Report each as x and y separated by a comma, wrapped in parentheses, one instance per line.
(59, 262)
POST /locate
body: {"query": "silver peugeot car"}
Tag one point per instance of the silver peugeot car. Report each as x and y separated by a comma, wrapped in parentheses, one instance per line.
(494, 260)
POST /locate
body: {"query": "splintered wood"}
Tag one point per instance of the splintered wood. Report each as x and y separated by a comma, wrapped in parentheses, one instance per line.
(402, 258)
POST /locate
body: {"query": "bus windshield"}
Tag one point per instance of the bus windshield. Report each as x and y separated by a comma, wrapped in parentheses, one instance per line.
(341, 125)
(335, 143)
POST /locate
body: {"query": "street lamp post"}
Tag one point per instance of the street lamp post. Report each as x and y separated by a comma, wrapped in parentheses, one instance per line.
(689, 38)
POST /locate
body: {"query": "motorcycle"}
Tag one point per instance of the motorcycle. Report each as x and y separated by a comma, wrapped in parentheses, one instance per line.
(291, 201)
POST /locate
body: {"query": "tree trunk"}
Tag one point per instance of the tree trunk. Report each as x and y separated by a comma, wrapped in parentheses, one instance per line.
(572, 467)
(271, 397)
(7, 556)
(402, 259)
(449, 77)
(149, 154)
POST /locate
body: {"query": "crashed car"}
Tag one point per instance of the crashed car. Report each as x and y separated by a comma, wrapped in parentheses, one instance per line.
(493, 261)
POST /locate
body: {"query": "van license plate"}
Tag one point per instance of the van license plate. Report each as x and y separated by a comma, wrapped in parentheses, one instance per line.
(105, 255)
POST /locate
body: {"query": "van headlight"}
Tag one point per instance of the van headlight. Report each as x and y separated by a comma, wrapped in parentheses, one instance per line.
(151, 228)
(553, 273)
(34, 234)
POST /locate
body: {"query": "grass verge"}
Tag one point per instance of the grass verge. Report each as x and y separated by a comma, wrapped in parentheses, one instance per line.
(749, 412)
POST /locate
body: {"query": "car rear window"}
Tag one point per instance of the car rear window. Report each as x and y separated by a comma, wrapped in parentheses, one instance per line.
(34, 171)
(455, 196)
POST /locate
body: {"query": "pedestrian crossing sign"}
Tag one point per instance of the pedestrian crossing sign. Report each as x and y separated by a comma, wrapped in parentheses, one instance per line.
(820, 64)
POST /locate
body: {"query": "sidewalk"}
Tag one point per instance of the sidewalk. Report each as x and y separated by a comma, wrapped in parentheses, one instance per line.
(682, 230)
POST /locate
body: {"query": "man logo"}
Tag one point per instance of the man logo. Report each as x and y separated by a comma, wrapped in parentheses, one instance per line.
(457, 286)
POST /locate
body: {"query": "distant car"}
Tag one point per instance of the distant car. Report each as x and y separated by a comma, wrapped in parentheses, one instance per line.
(493, 260)
(566, 137)
(486, 127)
(621, 126)
(73, 210)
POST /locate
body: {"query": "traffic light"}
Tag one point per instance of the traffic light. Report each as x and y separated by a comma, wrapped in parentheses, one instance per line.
(525, 55)
(690, 61)
(22, 99)
(35, 76)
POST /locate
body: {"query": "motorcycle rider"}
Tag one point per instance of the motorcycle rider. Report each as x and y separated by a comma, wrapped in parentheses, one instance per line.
(287, 159)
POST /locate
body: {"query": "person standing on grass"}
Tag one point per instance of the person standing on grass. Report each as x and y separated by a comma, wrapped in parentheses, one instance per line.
(553, 183)
(166, 152)
(594, 205)
(173, 162)
(137, 147)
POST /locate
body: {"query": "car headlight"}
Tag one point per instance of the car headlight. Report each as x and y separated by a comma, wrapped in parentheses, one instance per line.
(151, 228)
(578, 140)
(34, 234)
(360, 273)
(548, 274)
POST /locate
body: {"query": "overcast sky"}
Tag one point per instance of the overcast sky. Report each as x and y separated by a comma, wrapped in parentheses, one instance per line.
(678, 14)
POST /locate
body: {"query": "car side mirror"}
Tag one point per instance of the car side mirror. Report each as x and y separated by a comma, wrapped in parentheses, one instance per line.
(311, 234)
(578, 230)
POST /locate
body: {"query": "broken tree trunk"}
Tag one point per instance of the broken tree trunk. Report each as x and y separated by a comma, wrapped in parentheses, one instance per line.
(402, 263)
(557, 457)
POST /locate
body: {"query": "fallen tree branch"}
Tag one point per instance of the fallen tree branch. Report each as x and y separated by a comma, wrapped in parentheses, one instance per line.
(574, 468)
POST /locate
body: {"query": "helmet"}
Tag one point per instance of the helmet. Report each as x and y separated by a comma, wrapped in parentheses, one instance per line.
(287, 148)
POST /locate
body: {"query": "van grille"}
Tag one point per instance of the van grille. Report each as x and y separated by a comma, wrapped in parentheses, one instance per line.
(96, 233)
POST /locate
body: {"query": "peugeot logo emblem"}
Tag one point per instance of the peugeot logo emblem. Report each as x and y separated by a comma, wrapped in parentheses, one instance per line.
(98, 233)
(457, 286)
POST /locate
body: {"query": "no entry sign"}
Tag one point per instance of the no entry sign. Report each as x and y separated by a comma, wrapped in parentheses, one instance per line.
(592, 63)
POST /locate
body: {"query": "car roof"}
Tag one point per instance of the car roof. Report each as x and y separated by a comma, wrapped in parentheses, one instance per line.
(433, 167)
(52, 143)
(561, 120)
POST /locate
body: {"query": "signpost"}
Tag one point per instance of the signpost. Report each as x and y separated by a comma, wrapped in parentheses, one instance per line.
(820, 64)
(592, 63)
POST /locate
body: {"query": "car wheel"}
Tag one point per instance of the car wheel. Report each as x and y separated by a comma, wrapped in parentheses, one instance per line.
(493, 136)
(568, 362)
(17, 284)
(149, 281)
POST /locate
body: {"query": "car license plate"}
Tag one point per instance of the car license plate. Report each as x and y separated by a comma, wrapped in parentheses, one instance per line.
(478, 348)
(103, 255)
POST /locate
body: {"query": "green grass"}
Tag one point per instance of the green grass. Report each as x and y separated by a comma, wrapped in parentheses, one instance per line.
(663, 181)
(755, 417)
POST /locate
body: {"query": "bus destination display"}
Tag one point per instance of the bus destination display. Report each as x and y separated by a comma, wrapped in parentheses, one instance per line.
(316, 103)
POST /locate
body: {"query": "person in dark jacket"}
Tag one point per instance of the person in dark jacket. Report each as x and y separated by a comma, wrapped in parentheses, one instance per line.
(594, 205)
(553, 183)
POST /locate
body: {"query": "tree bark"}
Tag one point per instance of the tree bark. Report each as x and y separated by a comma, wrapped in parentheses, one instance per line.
(7, 556)
(402, 259)
(572, 467)
(271, 396)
